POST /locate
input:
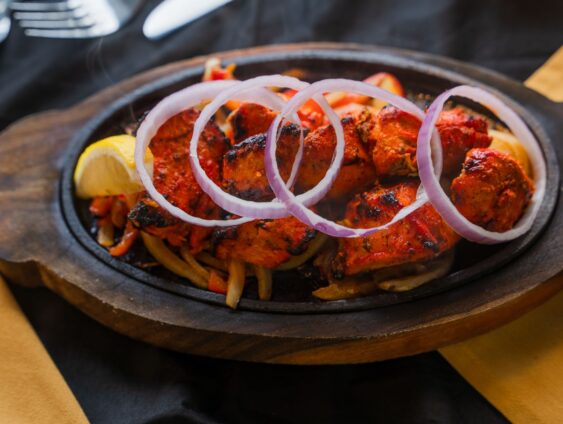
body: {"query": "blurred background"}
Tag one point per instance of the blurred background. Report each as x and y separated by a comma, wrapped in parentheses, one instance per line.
(511, 37)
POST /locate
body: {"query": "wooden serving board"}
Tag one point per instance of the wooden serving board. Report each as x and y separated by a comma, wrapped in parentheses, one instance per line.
(38, 247)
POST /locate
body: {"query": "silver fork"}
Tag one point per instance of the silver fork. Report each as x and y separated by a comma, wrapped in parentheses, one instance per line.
(5, 22)
(73, 18)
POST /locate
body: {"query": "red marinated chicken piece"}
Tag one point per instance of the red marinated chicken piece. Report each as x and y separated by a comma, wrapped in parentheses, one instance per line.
(393, 140)
(421, 236)
(268, 243)
(173, 177)
(460, 133)
(249, 119)
(357, 171)
(244, 173)
(492, 191)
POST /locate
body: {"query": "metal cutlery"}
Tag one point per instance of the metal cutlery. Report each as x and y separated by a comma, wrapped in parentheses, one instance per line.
(172, 14)
(73, 18)
(5, 22)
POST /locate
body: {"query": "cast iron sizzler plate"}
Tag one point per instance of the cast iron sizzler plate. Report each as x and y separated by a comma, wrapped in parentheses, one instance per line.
(47, 231)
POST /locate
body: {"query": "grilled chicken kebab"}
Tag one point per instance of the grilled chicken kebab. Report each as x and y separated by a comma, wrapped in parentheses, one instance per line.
(377, 179)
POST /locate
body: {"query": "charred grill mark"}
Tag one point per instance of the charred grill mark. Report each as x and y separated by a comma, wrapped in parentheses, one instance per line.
(472, 165)
(301, 247)
(293, 130)
(254, 194)
(372, 212)
(389, 199)
(429, 244)
(256, 142)
(239, 130)
(249, 119)
(251, 194)
(352, 160)
(222, 233)
(365, 210)
(230, 156)
(144, 215)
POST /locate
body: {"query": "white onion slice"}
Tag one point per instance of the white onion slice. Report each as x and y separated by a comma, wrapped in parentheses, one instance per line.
(300, 210)
(431, 182)
(259, 210)
(174, 104)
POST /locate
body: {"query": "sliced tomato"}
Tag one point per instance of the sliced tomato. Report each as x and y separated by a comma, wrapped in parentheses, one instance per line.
(383, 80)
(311, 114)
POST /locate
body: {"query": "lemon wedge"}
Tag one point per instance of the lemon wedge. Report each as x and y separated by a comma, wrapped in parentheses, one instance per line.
(510, 145)
(107, 168)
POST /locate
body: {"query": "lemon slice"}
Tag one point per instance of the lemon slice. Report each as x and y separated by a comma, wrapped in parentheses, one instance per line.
(107, 168)
(509, 144)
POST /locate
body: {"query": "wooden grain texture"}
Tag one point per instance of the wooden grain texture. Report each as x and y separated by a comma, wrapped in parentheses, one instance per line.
(36, 245)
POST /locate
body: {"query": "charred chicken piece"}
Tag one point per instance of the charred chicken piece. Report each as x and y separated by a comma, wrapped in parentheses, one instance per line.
(421, 236)
(151, 218)
(357, 171)
(393, 140)
(460, 133)
(244, 174)
(268, 243)
(173, 177)
(249, 119)
(492, 191)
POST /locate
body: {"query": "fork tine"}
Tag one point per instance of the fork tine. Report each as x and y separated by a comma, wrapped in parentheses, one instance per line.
(45, 6)
(66, 33)
(50, 16)
(63, 24)
(104, 16)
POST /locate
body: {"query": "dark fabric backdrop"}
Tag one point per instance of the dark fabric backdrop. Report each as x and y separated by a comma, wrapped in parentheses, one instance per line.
(117, 380)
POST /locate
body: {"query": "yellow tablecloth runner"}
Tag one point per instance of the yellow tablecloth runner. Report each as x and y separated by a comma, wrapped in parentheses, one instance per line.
(548, 79)
(518, 368)
(31, 388)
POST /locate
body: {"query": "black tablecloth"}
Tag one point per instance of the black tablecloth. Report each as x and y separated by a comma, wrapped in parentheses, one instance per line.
(117, 380)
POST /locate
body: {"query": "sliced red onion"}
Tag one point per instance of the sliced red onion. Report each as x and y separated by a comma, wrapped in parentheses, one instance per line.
(431, 183)
(258, 210)
(174, 104)
(292, 202)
